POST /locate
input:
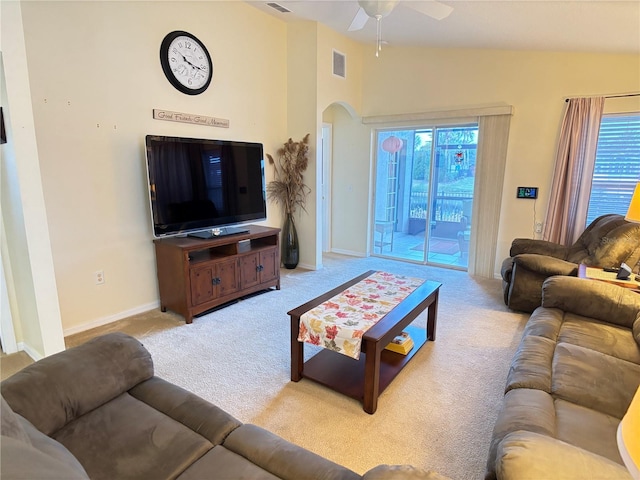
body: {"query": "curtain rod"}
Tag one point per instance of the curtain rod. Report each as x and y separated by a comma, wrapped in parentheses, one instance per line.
(610, 96)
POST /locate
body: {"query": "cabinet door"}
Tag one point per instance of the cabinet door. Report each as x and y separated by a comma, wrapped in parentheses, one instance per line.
(202, 285)
(227, 277)
(270, 265)
(249, 270)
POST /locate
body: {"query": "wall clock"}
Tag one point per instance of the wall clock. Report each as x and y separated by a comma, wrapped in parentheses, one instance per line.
(186, 62)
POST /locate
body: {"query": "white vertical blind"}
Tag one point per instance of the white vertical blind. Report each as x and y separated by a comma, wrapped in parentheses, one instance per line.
(493, 136)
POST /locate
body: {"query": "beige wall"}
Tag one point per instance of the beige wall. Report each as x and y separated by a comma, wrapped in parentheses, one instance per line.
(302, 38)
(312, 88)
(95, 78)
(350, 182)
(407, 80)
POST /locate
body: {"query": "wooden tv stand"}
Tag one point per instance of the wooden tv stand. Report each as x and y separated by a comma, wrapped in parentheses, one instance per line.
(196, 275)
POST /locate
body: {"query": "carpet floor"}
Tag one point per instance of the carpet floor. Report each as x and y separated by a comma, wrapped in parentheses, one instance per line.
(437, 414)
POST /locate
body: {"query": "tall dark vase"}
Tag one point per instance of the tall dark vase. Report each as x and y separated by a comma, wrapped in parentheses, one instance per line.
(290, 246)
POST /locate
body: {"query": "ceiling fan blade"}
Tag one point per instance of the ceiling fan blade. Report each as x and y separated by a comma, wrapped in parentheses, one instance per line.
(359, 20)
(430, 8)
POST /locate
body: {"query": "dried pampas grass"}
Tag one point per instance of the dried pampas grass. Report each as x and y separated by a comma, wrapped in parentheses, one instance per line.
(288, 189)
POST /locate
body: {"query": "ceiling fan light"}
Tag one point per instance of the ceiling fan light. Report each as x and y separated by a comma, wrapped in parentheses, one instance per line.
(376, 8)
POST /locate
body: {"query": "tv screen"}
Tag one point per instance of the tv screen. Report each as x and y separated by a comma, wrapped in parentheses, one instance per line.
(200, 184)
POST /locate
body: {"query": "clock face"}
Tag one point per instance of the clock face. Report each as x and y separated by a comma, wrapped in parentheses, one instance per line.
(186, 62)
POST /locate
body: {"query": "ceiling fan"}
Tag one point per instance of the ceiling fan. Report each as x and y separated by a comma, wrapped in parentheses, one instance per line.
(378, 9)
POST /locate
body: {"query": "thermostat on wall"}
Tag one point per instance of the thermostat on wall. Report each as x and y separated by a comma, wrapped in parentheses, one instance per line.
(527, 192)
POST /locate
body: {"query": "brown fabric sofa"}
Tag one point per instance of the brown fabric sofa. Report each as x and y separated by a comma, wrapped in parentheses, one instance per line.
(570, 382)
(607, 242)
(97, 411)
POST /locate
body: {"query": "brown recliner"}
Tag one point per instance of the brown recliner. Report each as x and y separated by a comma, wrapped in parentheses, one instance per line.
(607, 242)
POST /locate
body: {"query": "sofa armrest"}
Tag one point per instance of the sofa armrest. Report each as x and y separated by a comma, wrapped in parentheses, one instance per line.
(530, 456)
(539, 247)
(60, 388)
(545, 265)
(401, 472)
(591, 298)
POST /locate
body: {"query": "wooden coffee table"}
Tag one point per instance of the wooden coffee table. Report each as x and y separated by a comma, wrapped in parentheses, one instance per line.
(365, 379)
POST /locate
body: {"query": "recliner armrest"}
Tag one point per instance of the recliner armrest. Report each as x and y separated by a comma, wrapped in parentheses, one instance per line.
(530, 456)
(540, 247)
(545, 265)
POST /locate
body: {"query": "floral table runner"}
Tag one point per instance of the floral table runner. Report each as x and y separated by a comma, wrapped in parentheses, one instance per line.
(340, 322)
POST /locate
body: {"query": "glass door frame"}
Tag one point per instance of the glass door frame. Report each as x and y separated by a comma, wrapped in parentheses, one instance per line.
(432, 192)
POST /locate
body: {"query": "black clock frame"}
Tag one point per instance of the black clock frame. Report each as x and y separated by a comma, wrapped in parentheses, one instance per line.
(166, 68)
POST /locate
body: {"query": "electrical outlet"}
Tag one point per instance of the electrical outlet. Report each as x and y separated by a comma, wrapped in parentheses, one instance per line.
(99, 277)
(538, 227)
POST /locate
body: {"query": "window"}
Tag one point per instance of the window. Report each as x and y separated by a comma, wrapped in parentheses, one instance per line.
(617, 166)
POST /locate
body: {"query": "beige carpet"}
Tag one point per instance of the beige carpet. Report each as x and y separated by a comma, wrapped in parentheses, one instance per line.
(438, 413)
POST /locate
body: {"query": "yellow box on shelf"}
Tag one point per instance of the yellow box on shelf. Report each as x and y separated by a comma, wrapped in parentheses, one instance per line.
(403, 344)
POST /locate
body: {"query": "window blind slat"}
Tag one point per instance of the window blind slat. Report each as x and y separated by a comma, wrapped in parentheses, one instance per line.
(617, 167)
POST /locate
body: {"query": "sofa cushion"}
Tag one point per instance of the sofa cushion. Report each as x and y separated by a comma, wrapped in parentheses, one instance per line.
(62, 387)
(588, 429)
(283, 459)
(401, 472)
(618, 243)
(225, 464)
(127, 439)
(202, 417)
(21, 461)
(51, 447)
(611, 381)
(46, 457)
(599, 336)
(10, 425)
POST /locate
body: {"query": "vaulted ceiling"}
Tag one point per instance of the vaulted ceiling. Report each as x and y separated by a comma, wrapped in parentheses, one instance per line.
(546, 25)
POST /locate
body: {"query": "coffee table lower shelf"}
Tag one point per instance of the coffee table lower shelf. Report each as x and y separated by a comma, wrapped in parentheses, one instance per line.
(366, 378)
(346, 375)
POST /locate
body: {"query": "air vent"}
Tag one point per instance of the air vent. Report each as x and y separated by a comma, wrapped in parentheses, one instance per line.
(278, 7)
(339, 64)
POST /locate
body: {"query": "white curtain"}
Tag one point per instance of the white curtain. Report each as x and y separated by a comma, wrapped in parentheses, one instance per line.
(575, 159)
(493, 136)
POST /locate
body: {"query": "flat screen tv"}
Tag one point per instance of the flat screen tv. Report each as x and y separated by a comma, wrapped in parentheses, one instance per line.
(202, 187)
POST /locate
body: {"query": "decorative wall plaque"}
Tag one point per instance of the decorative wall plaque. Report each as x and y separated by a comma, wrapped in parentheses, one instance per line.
(190, 118)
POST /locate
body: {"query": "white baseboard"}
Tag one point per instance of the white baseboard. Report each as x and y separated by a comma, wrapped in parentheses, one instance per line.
(26, 348)
(304, 266)
(351, 253)
(110, 318)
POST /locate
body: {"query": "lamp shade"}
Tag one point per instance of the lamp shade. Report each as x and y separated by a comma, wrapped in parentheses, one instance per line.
(633, 214)
(629, 436)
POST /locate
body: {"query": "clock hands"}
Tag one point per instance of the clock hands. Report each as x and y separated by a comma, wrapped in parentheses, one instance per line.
(192, 65)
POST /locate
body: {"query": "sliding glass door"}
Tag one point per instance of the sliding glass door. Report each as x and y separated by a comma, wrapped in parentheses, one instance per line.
(424, 194)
